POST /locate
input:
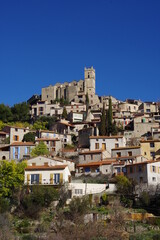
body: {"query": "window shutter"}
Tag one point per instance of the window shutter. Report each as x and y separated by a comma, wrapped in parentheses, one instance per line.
(18, 152)
(151, 168)
(51, 178)
(28, 179)
(61, 177)
(13, 152)
(40, 178)
(25, 150)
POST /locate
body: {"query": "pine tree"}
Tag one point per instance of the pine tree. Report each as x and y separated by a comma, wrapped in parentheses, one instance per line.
(102, 129)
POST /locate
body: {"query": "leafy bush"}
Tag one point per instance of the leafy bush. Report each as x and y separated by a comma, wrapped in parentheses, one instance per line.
(40, 196)
(4, 205)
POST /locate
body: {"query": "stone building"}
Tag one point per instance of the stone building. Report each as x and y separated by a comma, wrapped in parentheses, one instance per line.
(73, 91)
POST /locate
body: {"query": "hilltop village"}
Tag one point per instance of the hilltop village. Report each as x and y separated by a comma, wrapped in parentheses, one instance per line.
(79, 143)
(84, 145)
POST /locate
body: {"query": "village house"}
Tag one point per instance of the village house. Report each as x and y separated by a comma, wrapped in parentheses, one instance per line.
(145, 174)
(47, 175)
(5, 152)
(54, 145)
(109, 167)
(126, 151)
(106, 143)
(47, 161)
(90, 156)
(3, 136)
(16, 134)
(150, 148)
(21, 150)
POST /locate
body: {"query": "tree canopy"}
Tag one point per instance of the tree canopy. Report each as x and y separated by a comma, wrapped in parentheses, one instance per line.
(11, 177)
(102, 129)
(29, 137)
(40, 149)
(64, 114)
(20, 112)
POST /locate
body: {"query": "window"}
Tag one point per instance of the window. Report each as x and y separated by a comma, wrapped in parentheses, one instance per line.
(140, 168)
(34, 178)
(148, 110)
(130, 153)
(152, 145)
(131, 169)
(152, 154)
(153, 169)
(153, 179)
(78, 191)
(145, 153)
(141, 179)
(15, 137)
(116, 145)
(103, 146)
(56, 178)
(28, 150)
(16, 129)
(96, 145)
(118, 154)
(91, 156)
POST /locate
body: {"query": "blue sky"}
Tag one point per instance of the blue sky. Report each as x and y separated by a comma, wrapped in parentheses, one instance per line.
(47, 41)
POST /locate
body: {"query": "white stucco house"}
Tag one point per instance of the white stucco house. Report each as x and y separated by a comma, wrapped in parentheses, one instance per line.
(106, 143)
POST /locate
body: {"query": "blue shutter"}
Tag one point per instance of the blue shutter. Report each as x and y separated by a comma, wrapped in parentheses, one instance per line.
(13, 152)
(25, 150)
(18, 152)
(58, 178)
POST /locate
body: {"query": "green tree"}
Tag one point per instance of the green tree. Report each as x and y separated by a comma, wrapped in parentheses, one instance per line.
(49, 121)
(109, 118)
(102, 129)
(87, 103)
(40, 149)
(20, 112)
(40, 196)
(5, 113)
(11, 177)
(64, 114)
(78, 206)
(39, 125)
(29, 137)
(1, 125)
(124, 186)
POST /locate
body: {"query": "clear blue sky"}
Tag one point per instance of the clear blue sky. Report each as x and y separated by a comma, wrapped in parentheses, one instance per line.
(47, 41)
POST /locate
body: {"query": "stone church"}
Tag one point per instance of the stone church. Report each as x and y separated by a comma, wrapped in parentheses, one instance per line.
(73, 91)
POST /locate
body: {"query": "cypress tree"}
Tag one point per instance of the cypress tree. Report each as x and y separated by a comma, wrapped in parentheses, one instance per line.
(102, 129)
(64, 114)
(110, 117)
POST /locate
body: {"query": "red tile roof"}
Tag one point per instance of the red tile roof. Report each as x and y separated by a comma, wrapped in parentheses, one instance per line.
(121, 148)
(37, 168)
(22, 144)
(46, 139)
(90, 152)
(105, 137)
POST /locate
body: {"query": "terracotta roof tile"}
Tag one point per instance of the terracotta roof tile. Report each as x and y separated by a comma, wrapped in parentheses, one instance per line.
(36, 168)
(105, 137)
(90, 152)
(121, 148)
(46, 139)
(22, 144)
